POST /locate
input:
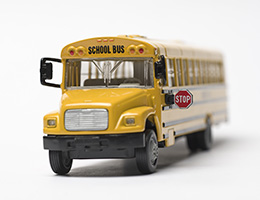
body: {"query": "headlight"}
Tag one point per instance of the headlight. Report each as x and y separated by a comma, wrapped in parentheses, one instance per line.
(130, 121)
(51, 123)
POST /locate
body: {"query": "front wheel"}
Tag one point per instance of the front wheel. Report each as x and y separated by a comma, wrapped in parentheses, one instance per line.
(147, 157)
(60, 162)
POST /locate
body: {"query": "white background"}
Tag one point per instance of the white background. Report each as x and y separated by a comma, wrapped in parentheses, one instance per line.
(31, 30)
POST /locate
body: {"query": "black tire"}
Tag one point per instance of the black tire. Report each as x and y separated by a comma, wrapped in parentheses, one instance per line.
(60, 162)
(202, 139)
(147, 157)
(205, 137)
(192, 141)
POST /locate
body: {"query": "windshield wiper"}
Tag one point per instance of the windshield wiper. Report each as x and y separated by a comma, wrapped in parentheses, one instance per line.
(116, 66)
(107, 73)
(97, 66)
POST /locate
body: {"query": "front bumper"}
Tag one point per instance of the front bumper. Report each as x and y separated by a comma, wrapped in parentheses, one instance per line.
(96, 146)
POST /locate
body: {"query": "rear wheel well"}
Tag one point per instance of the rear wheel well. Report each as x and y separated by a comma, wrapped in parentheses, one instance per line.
(208, 117)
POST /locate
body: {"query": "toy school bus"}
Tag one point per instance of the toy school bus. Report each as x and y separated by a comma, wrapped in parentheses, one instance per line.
(119, 100)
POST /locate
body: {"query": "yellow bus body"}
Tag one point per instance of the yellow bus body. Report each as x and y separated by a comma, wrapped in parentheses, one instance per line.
(197, 70)
(209, 99)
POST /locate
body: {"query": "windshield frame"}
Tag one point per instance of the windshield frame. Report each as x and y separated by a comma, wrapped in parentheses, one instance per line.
(120, 60)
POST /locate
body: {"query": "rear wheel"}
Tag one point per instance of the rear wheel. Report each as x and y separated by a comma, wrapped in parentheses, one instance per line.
(192, 141)
(147, 157)
(60, 162)
(205, 137)
(202, 139)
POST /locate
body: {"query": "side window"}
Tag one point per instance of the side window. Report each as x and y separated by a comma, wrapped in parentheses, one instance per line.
(73, 73)
(202, 72)
(217, 71)
(178, 63)
(209, 72)
(171, 78)
(191, 72)
(185, 74)
(221, 71)
(196, 72)
(205, 72)
(212, 73)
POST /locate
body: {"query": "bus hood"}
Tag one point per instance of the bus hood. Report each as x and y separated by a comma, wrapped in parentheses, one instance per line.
(112, 98)
(115, 100)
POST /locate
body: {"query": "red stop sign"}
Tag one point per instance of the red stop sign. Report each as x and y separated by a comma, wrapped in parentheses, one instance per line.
(183, 99)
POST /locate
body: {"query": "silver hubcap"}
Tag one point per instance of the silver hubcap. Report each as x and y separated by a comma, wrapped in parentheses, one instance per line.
(154, 152)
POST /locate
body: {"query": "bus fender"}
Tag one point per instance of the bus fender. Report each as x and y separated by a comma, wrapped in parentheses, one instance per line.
(134, 119)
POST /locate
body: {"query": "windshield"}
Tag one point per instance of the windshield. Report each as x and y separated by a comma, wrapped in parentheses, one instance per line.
(109, 73)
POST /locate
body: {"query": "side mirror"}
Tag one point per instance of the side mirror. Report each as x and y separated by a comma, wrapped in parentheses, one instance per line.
(160, 72)
(46, 71)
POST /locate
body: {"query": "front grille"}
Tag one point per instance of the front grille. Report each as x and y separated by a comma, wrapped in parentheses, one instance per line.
(86, 119)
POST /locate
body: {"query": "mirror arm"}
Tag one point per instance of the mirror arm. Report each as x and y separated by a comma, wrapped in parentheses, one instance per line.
(43, 60)
(43, 82)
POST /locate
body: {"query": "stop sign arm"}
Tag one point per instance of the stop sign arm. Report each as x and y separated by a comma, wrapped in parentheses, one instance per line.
(168, 97)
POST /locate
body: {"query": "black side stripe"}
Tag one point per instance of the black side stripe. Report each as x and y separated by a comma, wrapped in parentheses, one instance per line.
(186, 130)
(197, 103)
(171, 123)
